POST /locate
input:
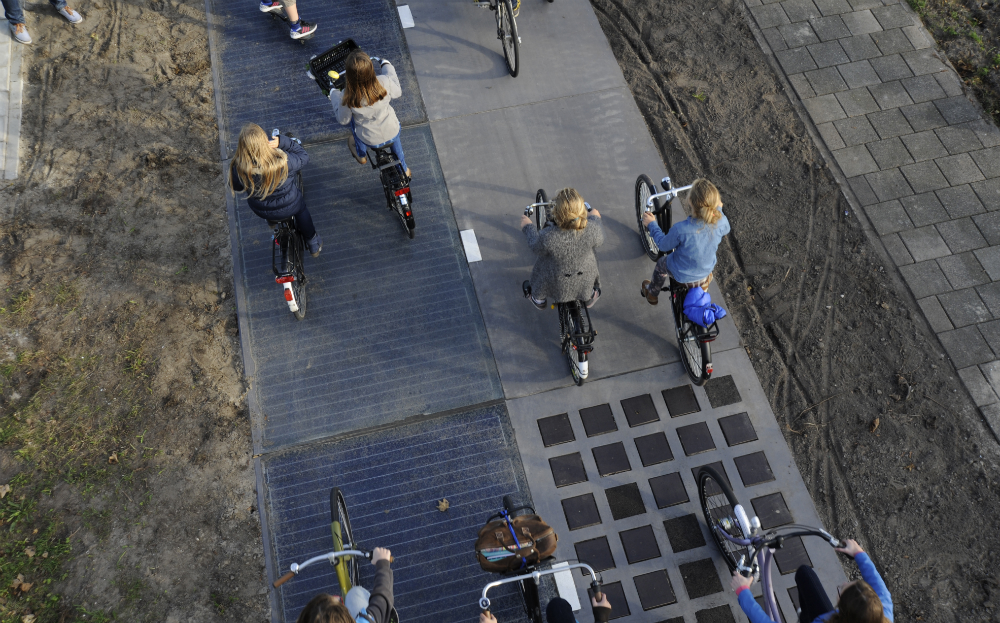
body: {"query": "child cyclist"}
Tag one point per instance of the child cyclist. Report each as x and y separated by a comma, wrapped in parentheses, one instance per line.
(298, 28)
(693, 242)
(364, 106)
(359, 606)
(265, 169)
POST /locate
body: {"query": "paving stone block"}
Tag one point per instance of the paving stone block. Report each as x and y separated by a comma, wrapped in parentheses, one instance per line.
(987, 133)
(924, 146)
(960, 169)
(892, 41)
(924, 176)
(924, 209)
(861, 22)
(861, 5)
(924, 62)
(828, 54)
(893, 16)
(988, 161)
(924, 243)
(859, 74)
(935, 314)
(890, 95)
(923, 116)
(923, 88)
(857, 130)
(861, 47)
(795, 60)
(889, 184)
(957, 109)
(991, 333)
(825, 81)
(774, 39)
(890, 217)
(990, 294)
(989, 257)
(963, 271)
(991, 372)
(889, 123)
(966, 347)
(769, 16)
(830, 28)
(918, 37)
(855, 161)
(991, 413)
(960, 201)
(830, 136)
(833, 7)
(989, 193)
(800, 10)
(890, 153)
(824, 108)
(891, 67)
(962, 235)
(802, 87)
(798, 34)
(857, 102)
(897, 250)
(862, 190)
(974, 379)
(949, 82)
(958, 139)
(925, 279)
(964, 307)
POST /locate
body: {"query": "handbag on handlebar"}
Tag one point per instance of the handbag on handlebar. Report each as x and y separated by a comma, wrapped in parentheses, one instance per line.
(504, 547)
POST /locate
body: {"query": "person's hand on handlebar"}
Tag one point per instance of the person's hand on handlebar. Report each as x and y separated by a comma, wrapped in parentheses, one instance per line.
(594, 212)
(380, 553)
(487, 617)
(604, 603)
(851, 548)
(647, 218)
(525, 220)
(739, 581)
(272, 142)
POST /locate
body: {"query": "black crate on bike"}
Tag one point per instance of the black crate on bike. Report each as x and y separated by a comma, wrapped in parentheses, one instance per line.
(334, 59)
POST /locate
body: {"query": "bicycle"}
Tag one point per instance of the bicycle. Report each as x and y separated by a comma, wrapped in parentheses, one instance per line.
(505, 13)
(528, 582)
(576, 333)
(287, 256)
(736, 534)
(693, 340)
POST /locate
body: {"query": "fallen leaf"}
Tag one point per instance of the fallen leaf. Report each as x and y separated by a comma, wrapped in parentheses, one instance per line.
(4, 490)
(113, 459)
(443, 505)
(30, 551)
(25, 587)
(45, 554)
(874, 425)
(35, 531)
(17, 581)
(910, 467)
(28, 618)
(884, 305)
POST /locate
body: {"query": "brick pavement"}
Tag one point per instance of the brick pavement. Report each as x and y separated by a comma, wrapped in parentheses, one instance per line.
(10, 102)
(915, 152)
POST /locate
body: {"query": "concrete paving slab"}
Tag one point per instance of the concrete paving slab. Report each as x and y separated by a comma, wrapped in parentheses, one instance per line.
(460, 65)
(519, 150)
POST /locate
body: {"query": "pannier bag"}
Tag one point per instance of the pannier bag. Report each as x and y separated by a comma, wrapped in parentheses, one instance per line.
(500, 551)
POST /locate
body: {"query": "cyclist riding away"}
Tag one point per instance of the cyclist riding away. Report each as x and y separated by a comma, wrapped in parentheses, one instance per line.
(566, 268)
(693, 242)
(266, 170)
(364, 105)
(359, 606)
(861, 601)
(299, 28)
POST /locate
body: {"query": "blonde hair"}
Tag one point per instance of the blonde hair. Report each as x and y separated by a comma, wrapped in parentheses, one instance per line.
(325, 608)
(361, 87)
(569, 212)
(705, 199)
(256, 160)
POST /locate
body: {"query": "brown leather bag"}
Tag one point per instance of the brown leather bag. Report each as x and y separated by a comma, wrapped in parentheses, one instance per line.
(498, 552)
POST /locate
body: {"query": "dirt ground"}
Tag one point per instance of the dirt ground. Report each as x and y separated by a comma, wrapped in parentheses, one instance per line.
(122, 422)
(890, 445)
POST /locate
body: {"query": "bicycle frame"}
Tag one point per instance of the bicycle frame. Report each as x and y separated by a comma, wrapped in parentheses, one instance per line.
(484, 601)
(670, 194)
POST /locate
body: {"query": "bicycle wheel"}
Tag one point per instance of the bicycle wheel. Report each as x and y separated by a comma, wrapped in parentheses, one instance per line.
(696, 355)
(644, 189)
(529, 593)
(541, 212)
(572, 322)
(718, 505)
(341, 528)
(298, 266)
(507, 31)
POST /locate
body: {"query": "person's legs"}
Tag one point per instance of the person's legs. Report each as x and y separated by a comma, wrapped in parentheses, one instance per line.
(13, 12)
(357, 147)
(291, 10)
(660, 275)
(397, 148)
(72, 16)
(813, 601)
(304, 223)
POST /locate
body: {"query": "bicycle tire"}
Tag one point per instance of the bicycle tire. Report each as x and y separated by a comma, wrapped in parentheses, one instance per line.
(338, 513)
(541, 212)
(644, 189)
(298, 268)
(572, 323)
(712, 489)
(529, 594)
(509, 41)
(695, 354)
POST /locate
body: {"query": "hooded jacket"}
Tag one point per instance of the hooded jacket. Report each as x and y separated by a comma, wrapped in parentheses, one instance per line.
(287, 199)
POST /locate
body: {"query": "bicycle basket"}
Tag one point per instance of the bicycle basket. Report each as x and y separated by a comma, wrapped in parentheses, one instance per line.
(333, 59)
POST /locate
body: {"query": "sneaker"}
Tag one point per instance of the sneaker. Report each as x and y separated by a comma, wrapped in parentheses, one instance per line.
(538, 304)
(652, 299)
(19, 32)
(305, 30)
(593, 299)
(71, 15)
(315, 245)
(270, 7)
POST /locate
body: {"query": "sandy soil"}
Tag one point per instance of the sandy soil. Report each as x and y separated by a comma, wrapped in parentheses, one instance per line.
(122, 396)
(824, 315)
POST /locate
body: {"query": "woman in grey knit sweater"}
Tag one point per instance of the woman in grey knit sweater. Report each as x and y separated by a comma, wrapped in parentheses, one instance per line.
(566, 268)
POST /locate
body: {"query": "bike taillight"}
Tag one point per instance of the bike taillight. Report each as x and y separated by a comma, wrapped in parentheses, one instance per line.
(402, 191)
(708, 370)
(285, 279)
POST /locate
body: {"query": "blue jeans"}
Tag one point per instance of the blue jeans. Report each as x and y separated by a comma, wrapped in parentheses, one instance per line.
(362, 148)
(15, 14)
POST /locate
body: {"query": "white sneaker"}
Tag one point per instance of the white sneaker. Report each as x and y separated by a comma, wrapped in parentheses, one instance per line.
(19, 32)
(71, 15)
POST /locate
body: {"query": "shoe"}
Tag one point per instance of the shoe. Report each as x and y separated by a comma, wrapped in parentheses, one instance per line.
(72, 16)
(267, 6)
(538, 304)
(315, 245)
(305, 30)
(652, 299)
(593, 299)
(19, 32)
(408, 172)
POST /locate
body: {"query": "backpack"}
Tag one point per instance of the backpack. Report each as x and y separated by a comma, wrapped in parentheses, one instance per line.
(498, 551)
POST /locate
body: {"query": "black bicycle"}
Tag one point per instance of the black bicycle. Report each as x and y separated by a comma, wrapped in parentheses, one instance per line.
(576, 333)
(505, 13)
(693, 340)
(287, 258)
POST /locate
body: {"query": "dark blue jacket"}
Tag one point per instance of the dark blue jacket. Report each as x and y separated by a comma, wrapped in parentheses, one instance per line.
(287, 199)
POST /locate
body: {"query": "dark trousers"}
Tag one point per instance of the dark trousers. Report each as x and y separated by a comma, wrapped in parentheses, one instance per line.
(813, 601)
(303, 223)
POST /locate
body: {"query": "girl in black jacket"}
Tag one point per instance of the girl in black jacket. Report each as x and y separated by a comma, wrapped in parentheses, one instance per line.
(266, 169)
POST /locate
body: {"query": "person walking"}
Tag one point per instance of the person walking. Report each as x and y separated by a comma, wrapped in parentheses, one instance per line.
(15, 17)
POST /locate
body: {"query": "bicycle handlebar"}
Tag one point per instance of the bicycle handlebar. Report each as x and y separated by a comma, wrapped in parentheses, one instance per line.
(670, 194)
(332, 557)
(595, 584)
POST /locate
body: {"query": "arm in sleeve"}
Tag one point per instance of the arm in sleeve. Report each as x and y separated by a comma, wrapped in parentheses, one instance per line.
(870, 574)
(534, 239)
(751, 608)
(664, 242)
(237, 183)
(598, 226)
(297, 156)
(392, 83)
(601, 614)
(342, 113)
(724, 227)
(380, 602)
